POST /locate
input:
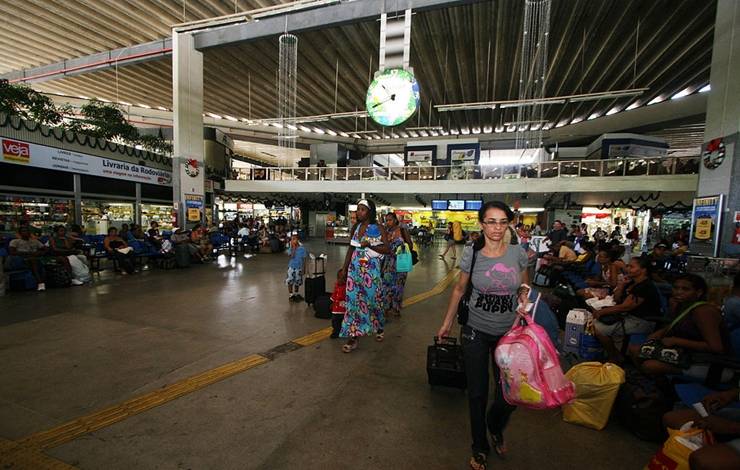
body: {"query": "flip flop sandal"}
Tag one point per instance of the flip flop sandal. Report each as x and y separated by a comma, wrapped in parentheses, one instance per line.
(380, 337)
(499, 447)
(478, 462)
(350, 346)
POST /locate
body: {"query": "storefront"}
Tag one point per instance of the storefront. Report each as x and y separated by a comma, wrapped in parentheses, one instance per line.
(52, 186)
(40, 213)
(163, 214)
(230, 209)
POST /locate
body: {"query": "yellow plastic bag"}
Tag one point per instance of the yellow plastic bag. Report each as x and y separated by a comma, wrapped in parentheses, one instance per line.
(674, 455)
(597, 386)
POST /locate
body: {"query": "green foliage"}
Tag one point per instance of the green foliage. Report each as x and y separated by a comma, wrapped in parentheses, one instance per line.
(22, 101)
(98, 119)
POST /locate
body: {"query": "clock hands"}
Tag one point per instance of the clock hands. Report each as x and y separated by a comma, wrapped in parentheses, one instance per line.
(392, 98)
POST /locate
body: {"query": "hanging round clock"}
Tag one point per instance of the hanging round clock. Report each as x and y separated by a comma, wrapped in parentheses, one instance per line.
(392, 97)
(714, 154)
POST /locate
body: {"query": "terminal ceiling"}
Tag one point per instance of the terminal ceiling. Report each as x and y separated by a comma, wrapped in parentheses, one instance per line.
(462, 54)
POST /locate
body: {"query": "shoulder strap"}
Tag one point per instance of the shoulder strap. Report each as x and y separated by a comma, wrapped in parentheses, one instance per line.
(684, 313)
(469, 287)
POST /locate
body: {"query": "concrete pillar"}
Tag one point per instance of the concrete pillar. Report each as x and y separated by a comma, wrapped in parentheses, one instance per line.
(723, 120)
(189, 155)
(77, 186)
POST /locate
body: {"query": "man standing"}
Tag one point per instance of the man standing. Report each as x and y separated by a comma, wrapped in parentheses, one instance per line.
(557, 234)
(26, 252)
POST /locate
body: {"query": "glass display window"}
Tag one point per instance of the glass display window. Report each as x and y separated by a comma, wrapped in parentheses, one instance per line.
(41, 213)
(99, 215)
(162, 214)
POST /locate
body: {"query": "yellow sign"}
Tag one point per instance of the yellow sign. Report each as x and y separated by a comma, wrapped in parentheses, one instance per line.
(703, 228)
(193, 215)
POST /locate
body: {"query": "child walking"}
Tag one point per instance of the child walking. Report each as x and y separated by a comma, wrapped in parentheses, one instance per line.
(338, 308)
(296, 268)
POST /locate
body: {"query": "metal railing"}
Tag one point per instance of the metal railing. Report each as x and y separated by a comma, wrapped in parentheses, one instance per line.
(551, 169)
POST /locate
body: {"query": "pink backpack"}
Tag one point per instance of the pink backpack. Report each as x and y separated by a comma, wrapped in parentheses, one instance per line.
(530, 369)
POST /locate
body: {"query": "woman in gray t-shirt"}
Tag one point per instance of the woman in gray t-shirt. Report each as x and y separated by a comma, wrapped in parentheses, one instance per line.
(496, 270)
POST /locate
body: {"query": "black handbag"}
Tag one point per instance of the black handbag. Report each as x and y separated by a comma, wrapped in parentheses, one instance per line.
(414, 257)
(463, 310)
(611, 319)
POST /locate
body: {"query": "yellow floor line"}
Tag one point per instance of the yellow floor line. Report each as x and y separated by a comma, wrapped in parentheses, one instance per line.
(114, 414)
(314, 337)
(28, 447)
(17, 457)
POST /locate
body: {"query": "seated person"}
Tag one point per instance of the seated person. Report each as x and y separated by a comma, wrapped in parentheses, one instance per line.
(696, 326)
(26, 252)
(565, 253)
(153, 235)
(182, 238)
(116, 247)
(597, 284)
(585, 267)
(635, 299)
(199, 237)
(77, 235)
(731, 307)
(723, 422)
(659, 258)
(61, 247)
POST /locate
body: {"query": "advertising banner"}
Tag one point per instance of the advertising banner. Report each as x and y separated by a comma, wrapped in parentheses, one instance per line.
(706, 218)
(194, 206)
(40, 156)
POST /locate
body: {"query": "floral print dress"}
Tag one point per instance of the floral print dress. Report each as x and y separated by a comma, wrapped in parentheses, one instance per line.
(364, 301)
(393, 281)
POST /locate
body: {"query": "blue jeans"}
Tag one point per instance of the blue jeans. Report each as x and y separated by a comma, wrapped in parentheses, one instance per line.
(477, 349)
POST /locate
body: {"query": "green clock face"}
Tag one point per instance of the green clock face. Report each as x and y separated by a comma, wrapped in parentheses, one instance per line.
(393, 97)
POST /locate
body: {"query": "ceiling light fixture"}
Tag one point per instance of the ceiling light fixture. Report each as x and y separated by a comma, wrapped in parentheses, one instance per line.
(465, 131)
(612, 111)
(576, 120)
(162, 108)
(304, 128)
(594, 116)
(318, 131)
(277, 124)
(681, 94)
(634, 105)
(656, 100)
(331, 132)
(214, 116)
(292, 127)
(231, 118)
(706, 88)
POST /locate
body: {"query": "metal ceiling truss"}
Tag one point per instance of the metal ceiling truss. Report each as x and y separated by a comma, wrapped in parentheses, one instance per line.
(461, 52)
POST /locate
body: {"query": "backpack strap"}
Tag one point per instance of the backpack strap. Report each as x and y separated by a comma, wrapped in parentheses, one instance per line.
(683, 314)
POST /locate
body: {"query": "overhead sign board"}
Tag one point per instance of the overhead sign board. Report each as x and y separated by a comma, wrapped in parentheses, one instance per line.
(41, 156)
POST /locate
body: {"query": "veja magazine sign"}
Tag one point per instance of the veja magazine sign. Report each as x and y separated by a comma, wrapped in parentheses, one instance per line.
(41, 156)
(706, 219)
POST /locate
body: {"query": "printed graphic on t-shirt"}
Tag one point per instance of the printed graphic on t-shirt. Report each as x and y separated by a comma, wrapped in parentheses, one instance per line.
(495, 303)
(502, 278)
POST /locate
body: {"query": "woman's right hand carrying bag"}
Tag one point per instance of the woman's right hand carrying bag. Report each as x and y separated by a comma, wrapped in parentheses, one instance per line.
(531, 375)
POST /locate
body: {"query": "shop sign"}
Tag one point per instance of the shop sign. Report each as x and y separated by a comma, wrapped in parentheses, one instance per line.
(41, 156)
(194, 206)
(706, 218)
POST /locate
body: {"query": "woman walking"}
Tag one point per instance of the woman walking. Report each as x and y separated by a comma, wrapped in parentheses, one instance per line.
(362, 273)
(450, 239)
(393, 281)
(495, 269)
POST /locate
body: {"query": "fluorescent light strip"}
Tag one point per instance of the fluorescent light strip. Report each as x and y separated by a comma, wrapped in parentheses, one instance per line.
(705, 88)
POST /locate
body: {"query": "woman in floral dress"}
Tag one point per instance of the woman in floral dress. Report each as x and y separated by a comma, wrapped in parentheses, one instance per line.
(362, 272)
(393, 281)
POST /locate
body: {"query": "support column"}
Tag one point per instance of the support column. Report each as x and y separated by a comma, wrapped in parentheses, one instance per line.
(723, 122)
(188, 163)
(77, 187)
(137, 207)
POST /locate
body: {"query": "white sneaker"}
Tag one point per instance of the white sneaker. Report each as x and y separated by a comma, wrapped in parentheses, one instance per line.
(77, 282)
(41, 286)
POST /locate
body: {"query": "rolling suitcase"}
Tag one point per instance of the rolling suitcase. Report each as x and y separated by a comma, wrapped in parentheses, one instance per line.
(445, 365)
(316, 281)
(322, 306)
(315, 286)
(182, 255)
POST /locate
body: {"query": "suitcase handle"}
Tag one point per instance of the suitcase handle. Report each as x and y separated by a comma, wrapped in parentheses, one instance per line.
(445, 340)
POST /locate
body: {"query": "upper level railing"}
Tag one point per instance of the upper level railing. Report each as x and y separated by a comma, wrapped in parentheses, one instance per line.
(551, 169)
